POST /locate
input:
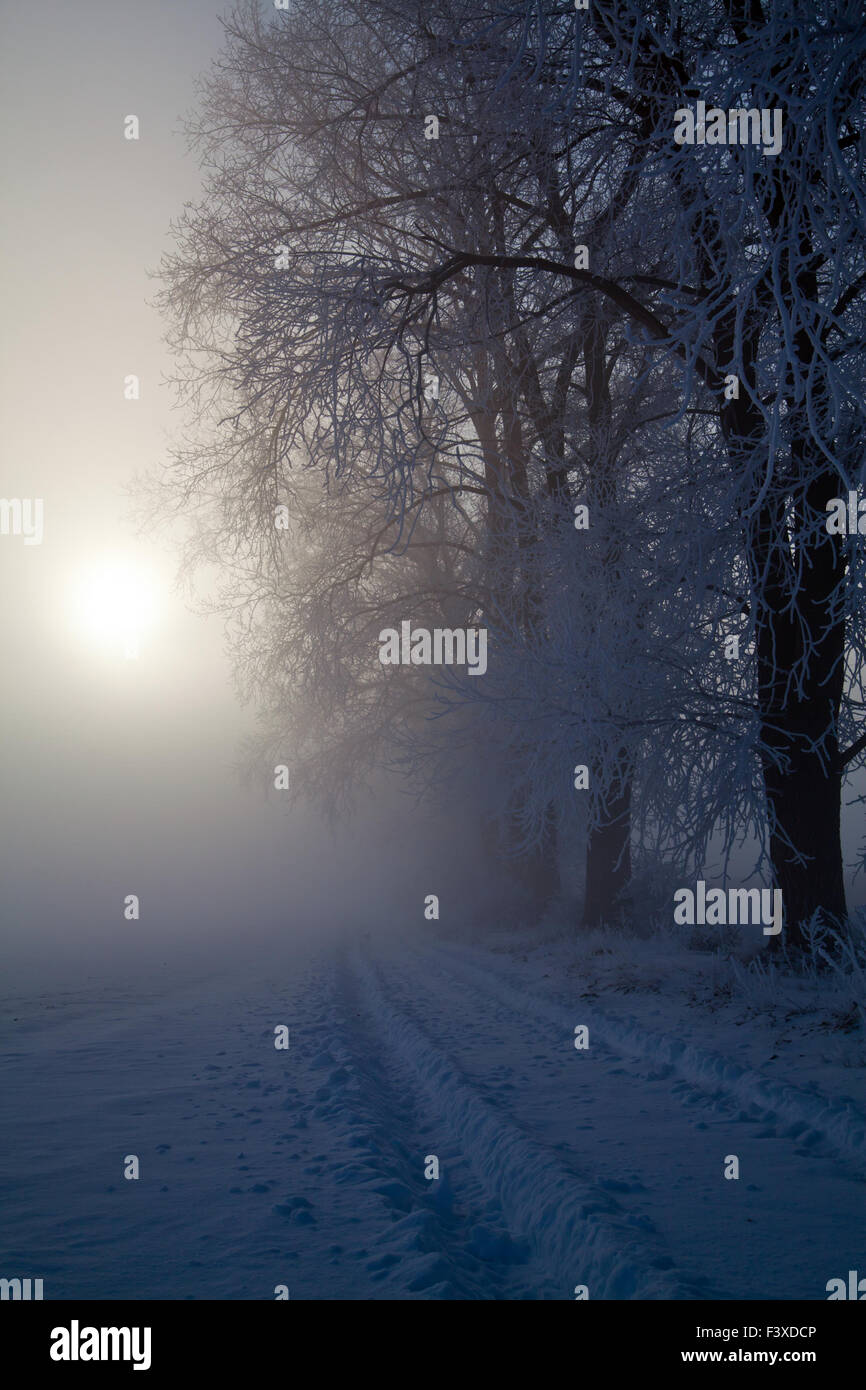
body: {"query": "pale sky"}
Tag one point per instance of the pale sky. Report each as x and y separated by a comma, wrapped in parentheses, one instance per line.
(116, 775)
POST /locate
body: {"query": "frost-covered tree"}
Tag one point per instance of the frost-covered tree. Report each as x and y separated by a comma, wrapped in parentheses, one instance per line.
(507, 198)
(771, 235)
(761, 309)
(327, 204)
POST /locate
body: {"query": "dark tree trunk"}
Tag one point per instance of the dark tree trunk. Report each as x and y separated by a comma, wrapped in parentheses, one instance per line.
(800, 750)
(804, 807)
(608, 848)
(800, 642)
(608, 859)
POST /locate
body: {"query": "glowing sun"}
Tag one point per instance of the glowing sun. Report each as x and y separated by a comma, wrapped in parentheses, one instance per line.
(114, 606)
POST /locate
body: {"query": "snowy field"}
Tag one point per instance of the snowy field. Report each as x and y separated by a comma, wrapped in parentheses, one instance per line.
(559, 1166)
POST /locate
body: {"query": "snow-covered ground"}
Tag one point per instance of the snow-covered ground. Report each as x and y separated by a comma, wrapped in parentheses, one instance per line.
(558, 1167)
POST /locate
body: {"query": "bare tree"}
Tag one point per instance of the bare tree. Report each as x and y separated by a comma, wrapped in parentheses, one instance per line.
(494, 196)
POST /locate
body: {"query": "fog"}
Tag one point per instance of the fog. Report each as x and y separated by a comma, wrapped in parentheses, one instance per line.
(120, 776)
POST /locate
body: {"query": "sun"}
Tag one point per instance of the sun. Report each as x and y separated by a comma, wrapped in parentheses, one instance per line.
(114, 606)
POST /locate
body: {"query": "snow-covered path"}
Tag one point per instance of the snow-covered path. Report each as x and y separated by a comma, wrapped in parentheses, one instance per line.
(306, 1168)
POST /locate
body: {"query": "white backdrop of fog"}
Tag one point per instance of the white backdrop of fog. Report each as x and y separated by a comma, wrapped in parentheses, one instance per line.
(118, 777)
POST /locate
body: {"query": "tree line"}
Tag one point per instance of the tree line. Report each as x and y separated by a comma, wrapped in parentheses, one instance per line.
(474, 337)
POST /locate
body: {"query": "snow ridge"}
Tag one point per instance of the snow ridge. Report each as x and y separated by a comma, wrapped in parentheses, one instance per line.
(586, 1236)
(840, 1125)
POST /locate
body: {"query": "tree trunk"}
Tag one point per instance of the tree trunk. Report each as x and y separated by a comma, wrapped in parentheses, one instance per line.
(608, 859)
(804, 801)
(800, 750)
(800, 644)
(608, 849)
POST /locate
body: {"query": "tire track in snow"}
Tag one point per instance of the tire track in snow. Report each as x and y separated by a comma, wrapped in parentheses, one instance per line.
(582, 1235)
(660, 1145)
(808, 1115)
(447, 1239)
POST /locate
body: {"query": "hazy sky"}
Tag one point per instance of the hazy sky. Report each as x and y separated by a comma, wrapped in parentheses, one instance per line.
(116, 774)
